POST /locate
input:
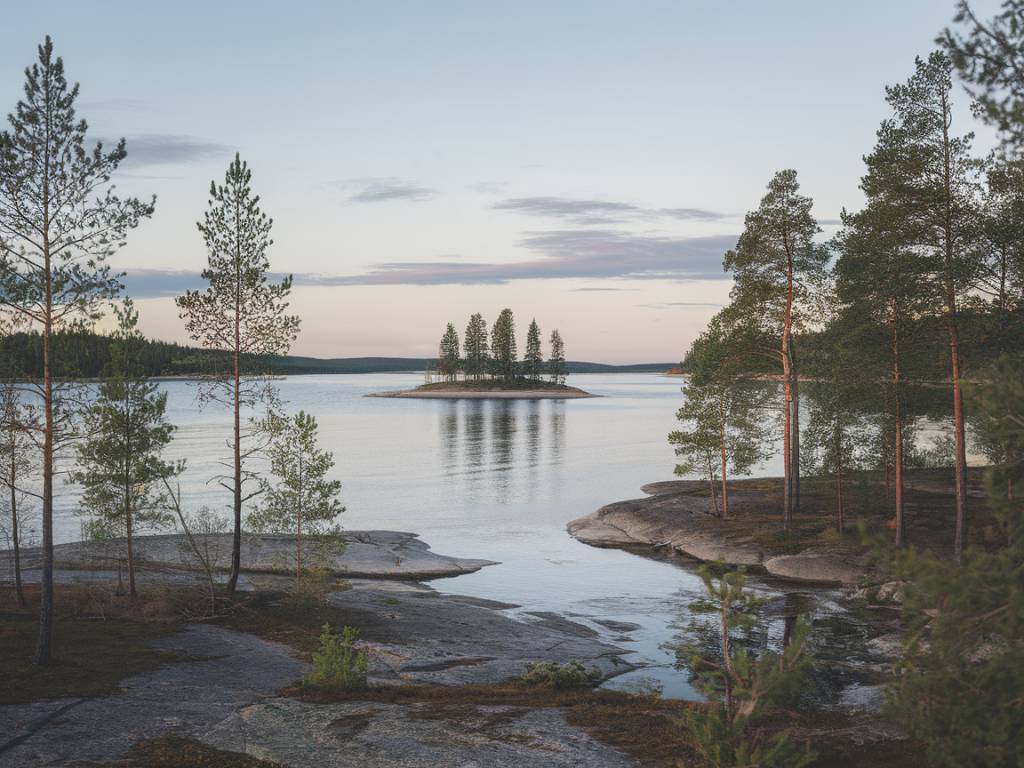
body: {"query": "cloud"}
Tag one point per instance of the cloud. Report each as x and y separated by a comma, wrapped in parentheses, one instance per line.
(382, 189)
(588, 289)
(567, 254)
(829, 222)
(581, 254)
(671, 304)
(599, 212)
(167, 149)
(693, 214)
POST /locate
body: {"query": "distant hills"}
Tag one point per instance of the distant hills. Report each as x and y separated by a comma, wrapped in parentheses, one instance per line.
(81, 353)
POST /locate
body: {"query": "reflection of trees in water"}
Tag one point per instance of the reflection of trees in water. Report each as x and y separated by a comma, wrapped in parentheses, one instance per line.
(837, 644)
(496, 438)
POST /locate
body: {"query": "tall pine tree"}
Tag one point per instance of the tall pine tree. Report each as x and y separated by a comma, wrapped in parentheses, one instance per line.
(240, 314)
(60, 221)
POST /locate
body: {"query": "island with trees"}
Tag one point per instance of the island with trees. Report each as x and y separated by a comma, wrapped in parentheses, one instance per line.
(487, 366)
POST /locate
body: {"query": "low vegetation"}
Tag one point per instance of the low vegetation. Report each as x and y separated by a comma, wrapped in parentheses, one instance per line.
(561, 676)
(337, 663)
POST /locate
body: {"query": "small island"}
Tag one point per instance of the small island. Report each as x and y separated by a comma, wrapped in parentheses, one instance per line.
(488, 367)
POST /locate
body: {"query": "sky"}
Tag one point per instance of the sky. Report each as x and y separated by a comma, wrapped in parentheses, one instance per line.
(586, 164)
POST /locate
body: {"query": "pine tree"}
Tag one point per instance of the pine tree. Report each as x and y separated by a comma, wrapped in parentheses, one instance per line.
(476, 347)
(743, 691)
(241, 314)
(300, 500)
(449, 362)
(962, 671)
(533, 359)
(725, 430)
(777, 266)
(59, 223)
(120, 464)
(882, 289)
(556, 362)
(927, 177)
(503, 346)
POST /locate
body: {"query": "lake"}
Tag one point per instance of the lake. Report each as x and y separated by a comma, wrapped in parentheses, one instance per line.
(496, 480)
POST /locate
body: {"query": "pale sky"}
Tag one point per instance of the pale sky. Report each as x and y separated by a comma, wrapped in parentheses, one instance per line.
(584, 163)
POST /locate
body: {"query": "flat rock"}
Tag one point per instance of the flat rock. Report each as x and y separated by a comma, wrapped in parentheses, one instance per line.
(367, 554)
(227, 696)
(672, 516)
(373, 735)
(815, 567)
(233, 670)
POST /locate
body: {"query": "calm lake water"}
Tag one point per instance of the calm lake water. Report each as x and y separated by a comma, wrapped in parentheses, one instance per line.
(496, 480)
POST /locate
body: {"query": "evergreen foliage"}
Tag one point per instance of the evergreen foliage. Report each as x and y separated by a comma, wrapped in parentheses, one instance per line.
(742, 690)
(475, 347)
(503, 346)
(239, 314)
(962, 673)
(300, 500)
(533, 359)
(777, 268)
(60, 221)
(449, 362)
(337, 664)
(557, 368)
(120, 461)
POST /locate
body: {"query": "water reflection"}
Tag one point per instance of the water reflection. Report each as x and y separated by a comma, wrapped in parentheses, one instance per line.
(495, 449)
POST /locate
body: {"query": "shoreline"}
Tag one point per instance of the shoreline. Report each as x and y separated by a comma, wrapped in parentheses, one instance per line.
(367, 555)
(672, 516)
(499, 394)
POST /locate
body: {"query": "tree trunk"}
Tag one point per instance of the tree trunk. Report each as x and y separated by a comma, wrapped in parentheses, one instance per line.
(236, 541)
(19, 590)
(898, 437)
(725, 467)
(711, 487)
(131, 555)
(840, 512)
(960, 447)
(795, 441)
(44, 649)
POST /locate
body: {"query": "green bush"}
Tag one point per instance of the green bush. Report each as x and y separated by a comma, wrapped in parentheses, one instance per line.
(337, 664)
(562, 676)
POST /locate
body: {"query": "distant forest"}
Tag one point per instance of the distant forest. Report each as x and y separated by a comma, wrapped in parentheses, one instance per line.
(86, 354)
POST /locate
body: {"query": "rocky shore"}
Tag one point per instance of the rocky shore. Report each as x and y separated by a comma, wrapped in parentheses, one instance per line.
(366, 555)
(674, 516)
(225, 693)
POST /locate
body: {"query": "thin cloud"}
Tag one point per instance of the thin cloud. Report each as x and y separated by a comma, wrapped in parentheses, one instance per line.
(561, 254)
(167, 149)
(383, 189)
(672, 304)
(586, 212)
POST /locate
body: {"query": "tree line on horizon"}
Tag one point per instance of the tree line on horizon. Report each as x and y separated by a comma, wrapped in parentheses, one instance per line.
(496, 356)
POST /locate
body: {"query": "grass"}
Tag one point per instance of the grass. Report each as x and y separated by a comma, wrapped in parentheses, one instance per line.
(100, 640)
(644, 726)
(176, 752)
(297, 620)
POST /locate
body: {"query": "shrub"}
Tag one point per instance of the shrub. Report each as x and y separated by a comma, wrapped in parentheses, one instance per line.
(337, 663)
(562, 676)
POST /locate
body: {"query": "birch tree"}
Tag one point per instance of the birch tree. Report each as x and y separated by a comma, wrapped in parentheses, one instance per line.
(243, 315)
(60, 221)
